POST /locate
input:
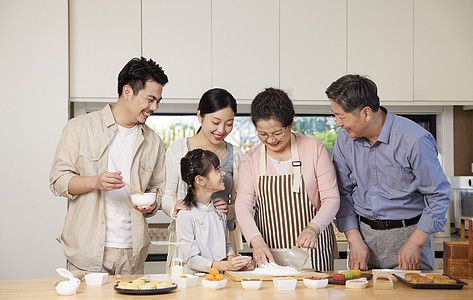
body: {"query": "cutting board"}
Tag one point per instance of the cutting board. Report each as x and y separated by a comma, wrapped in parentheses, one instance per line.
(238, 275)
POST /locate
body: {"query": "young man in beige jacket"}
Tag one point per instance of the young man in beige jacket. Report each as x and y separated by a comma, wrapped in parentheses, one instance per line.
(103, 231)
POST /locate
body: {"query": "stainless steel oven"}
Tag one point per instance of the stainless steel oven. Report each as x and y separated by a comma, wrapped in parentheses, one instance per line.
(462, 197)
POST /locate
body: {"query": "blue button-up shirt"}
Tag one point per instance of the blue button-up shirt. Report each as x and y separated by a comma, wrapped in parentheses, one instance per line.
(398, 177)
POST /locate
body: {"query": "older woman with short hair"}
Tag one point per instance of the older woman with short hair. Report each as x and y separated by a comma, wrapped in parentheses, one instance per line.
(287, 191)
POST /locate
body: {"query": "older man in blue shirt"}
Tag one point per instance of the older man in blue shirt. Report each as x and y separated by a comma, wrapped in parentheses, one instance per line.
(393, 191)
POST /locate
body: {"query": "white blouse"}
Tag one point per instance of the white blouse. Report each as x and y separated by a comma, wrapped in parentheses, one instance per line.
(204, 237)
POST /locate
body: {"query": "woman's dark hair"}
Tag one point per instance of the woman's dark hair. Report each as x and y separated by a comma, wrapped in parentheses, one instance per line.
(139, 70)
(272, 104)
(196, 162)
(216, 99)
(353, 93)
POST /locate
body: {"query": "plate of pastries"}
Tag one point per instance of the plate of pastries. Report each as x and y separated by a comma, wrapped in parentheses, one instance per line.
(430, 281)
(141, 287)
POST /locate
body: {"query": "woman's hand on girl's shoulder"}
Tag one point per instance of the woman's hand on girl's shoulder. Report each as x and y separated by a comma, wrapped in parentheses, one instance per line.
(180, 205)
(220, 205)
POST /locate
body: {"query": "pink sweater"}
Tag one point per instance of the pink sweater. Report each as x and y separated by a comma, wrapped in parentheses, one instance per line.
(319, 178)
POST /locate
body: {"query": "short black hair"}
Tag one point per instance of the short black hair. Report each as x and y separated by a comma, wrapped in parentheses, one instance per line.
(273, 104)
(354, 92)
(139, 70)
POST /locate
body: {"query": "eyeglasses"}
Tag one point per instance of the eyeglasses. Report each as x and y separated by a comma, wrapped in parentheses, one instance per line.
(278, 134)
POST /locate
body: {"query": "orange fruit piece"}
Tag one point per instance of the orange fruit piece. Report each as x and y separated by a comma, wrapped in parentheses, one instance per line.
(210, 277)
(183, 276)
(213, 271)
(219, 277)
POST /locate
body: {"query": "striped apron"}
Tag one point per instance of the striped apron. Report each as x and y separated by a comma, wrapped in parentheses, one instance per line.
(283, 209)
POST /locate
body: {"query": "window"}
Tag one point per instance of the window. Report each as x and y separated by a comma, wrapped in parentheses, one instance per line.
(172, 127)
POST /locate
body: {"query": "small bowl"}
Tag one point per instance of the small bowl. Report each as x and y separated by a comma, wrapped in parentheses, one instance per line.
(96, 278)
(160, 277)
(285, 283)
(214, 284)
(251, 284)
(184, 281)
(315, 283)
(360, 283)
(143, 200)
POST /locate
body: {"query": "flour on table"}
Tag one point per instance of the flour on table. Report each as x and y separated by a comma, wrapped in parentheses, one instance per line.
(273, 268)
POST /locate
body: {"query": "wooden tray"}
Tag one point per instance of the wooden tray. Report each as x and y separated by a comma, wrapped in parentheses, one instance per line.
(331, 281)
(145, 292)
(238, 275)
(455, 286)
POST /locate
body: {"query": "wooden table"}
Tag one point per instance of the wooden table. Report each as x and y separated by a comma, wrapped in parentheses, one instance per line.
(43, 289)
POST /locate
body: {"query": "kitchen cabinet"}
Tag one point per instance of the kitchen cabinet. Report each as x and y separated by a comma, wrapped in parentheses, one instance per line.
(415, 51)
(245, 46)
(443, 50)
(462, 137)
(177, 34)
(104, 35)
(380, 45)
(312, 47)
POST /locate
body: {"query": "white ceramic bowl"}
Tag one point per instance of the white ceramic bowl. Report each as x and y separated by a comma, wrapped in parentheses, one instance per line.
(284, 283)
(215, 285)
(251, 284)
(160, 277)
(184, 282)
(315, 283)
(96, 278)
(143, 200)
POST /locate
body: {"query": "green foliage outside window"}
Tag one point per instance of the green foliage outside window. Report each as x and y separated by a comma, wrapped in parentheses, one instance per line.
(171, 128)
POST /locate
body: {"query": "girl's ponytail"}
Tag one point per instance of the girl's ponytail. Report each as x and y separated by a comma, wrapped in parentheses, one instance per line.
(189, 198)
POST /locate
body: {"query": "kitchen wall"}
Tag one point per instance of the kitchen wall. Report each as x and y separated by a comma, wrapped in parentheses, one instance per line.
(35, 76)
(33, 111)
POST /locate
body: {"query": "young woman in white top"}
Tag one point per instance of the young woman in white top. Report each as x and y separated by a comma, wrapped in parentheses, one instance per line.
(216, 112)
(202, 230)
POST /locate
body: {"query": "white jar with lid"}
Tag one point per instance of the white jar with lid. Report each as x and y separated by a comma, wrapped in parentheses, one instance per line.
(177, 269)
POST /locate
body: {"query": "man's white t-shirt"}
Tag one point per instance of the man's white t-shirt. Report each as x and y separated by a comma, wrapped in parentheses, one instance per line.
(117, 202)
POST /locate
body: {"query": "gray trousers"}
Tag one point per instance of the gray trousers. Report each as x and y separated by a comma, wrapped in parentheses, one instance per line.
(384, 246)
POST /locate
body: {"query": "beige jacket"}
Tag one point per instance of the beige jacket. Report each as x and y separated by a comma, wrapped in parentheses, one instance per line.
(83, 150)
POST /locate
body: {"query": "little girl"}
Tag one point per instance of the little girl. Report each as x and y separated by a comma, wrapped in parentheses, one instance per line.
(202, 230)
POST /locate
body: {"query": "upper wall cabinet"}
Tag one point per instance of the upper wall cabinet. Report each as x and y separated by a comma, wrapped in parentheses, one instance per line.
(313, 46)
(177, 34)
(104, 36)
(245, 46)
(443, 50)
(380, 45)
